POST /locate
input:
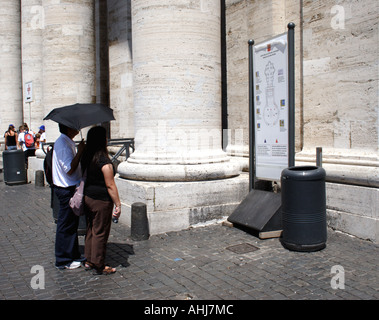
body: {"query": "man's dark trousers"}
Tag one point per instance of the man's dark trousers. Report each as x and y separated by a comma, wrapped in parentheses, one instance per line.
(66, 241)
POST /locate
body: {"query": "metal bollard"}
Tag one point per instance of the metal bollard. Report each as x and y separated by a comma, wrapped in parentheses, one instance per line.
(139, 222)
(319, 157)
(39, 178)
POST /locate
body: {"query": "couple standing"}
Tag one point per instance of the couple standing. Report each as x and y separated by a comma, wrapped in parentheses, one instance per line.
(100, 194)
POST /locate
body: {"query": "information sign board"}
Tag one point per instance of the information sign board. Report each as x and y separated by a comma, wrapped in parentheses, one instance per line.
(270, 94)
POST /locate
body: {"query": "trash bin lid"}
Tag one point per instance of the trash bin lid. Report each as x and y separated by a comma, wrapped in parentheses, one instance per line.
(10, 152)
(307, 173)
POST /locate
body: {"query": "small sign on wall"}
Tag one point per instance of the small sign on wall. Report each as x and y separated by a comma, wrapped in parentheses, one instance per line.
(28, 94)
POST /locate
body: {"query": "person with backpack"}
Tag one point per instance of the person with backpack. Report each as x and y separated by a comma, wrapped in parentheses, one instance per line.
(26, 140)
(66, 175)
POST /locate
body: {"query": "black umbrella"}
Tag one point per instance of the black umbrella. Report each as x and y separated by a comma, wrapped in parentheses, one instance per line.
(81, 115)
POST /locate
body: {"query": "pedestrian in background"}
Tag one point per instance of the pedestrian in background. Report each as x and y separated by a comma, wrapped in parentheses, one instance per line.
(37, 139)
(11, 138)
(29, 149)
(42, 133)
(100, 194)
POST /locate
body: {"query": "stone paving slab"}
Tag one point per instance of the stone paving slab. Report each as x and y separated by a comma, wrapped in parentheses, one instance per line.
(195, 264)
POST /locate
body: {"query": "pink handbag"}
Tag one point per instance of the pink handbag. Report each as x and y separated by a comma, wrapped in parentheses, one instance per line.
(77, 200)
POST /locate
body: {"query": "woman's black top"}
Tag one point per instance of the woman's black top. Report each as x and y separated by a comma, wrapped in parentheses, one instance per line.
(11, 140)
(95, 187)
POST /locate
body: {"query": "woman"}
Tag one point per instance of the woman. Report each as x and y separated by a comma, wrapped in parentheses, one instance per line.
(37, 141)
(100, 193)
(11, 140)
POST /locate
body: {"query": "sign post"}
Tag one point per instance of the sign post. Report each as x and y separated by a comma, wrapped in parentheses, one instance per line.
(28, 98)
(291, 94)
(252, 119)
(272, 130)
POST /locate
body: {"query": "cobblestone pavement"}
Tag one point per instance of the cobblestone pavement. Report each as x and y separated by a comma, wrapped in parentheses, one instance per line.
(192, 264)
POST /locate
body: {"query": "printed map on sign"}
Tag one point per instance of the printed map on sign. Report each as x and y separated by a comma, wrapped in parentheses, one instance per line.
(271, 107)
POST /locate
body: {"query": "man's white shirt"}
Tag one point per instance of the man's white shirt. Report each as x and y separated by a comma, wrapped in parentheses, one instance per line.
(64, 152)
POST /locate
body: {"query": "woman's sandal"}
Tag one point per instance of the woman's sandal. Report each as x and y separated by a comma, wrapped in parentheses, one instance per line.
(107, 270)
(88, 265)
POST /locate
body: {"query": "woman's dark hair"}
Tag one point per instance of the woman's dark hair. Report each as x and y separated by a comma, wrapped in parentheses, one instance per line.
(96, 147)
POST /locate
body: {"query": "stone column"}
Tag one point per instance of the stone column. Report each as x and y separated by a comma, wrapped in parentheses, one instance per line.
(10, 66)
(179, 168)
(177, 92)
(68, 56)
(121, 68)
(32, 25)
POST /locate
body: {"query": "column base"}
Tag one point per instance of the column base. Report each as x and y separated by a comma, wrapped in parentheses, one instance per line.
(174, 206)
(352, 190)
(353, 210)
(182, 172)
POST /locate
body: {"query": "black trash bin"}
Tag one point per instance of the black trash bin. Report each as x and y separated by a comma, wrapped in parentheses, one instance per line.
(14, 167)
(304, 208)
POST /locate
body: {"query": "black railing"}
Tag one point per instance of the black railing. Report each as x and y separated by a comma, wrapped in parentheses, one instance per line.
(125, 145)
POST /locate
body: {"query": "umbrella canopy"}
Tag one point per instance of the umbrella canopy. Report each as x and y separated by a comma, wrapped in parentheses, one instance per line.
(81, 115)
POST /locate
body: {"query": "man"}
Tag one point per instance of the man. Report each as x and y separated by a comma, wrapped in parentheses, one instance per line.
(66, 175)
(43, 134)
